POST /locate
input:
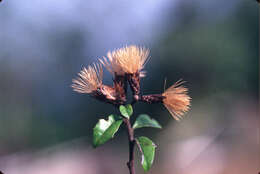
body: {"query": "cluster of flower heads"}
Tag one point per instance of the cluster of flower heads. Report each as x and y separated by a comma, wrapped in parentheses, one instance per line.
(126, 65)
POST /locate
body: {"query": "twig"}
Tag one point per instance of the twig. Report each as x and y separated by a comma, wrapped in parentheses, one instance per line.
(132, 143)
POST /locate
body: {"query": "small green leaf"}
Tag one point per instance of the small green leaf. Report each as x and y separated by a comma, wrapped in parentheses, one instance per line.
(144, 120)
(126, 110)
(147, 148)
(105, 129)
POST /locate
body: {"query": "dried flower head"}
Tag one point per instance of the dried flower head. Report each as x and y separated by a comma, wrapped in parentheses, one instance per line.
(89, 79)
(176, 100)
(128, 60)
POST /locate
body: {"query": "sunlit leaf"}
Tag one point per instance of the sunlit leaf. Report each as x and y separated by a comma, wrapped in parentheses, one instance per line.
(126, 110)
(147, 148)
(105, 129)
(144, 120)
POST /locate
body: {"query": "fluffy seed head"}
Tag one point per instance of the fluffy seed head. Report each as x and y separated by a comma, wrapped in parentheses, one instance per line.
(89, 80)
(176, 100)
(128, 60)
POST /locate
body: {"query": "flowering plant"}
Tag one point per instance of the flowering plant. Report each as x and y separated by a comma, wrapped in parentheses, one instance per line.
(126, 65)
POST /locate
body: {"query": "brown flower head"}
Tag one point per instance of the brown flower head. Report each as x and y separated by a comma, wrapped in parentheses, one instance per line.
(89, 80)
(176, 100)
(129, 60)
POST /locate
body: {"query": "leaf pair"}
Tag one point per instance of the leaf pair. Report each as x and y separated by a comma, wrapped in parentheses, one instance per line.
(143, 120)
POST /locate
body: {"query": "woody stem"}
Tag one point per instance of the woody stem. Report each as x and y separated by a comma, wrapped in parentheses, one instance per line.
(132, 143)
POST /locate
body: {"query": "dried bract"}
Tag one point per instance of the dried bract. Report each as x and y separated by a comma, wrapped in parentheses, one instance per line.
(107, 94)
(152, 98)
(120, 86)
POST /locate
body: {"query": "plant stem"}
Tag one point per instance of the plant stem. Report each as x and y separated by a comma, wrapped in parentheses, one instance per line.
(132, 143)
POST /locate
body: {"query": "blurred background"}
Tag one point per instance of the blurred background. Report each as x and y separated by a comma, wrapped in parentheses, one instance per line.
(45, 127)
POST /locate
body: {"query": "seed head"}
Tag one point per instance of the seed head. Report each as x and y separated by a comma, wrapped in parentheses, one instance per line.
(127, 60)
(89, 79)
(176, 100)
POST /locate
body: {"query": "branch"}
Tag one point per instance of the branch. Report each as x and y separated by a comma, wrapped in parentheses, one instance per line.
(132, 143)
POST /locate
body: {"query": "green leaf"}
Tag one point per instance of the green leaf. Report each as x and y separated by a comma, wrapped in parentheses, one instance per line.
(147, 148)
(144, 120)
(105, 129)
(126, 110)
